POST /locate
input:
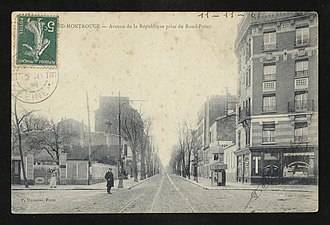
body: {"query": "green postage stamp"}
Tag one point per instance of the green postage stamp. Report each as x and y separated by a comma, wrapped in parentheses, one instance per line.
(36, 40)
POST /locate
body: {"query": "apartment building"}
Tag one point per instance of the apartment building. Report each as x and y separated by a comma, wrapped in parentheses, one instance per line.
(277, 123)
(215, 115)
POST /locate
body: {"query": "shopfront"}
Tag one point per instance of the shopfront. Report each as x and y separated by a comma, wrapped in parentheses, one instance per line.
(277, 166)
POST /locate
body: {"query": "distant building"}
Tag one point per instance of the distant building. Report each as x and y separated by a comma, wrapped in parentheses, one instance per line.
(277, 127)
(107, 128)
(108, 112)
(213, 119)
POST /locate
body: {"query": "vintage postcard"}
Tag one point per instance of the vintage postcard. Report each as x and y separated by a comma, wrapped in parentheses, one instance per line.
(164, 112)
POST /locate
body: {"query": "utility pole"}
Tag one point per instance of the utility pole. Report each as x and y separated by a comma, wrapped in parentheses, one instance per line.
(89, 141)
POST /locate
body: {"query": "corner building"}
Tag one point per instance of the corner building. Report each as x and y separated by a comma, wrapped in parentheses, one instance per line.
(277, 122)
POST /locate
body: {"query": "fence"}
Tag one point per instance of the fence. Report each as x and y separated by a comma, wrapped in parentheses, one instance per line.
(77, 172)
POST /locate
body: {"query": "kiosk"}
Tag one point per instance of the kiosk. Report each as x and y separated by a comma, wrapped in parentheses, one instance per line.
(218, 174)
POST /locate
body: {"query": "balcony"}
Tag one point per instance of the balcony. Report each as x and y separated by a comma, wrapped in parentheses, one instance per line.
(244, 114)
(269, 47)
(301, 83)
(303, 138)
(303, 73)
(301, 106)
(269, 86)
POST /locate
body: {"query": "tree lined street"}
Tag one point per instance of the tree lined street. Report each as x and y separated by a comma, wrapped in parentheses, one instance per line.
(163, 193)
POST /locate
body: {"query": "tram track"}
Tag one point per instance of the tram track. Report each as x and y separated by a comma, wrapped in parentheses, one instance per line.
(137, 199)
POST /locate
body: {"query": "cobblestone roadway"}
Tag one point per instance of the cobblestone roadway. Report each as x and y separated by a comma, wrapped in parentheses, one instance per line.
(160, 193)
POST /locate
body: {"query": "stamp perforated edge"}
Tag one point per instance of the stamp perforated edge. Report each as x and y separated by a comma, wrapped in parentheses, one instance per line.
(14, 18)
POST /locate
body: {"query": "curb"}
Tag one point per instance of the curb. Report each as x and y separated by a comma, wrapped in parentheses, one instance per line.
(198, 184)
(76, 188)
(245, 189)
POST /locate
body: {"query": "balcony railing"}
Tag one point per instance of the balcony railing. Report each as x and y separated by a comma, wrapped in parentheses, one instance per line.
(302, 138)
(268, 139)
(301, 83)
(269, 47)
(243, 114)
(269, 86)
(301, 106)
(301, 42)
(303, 73)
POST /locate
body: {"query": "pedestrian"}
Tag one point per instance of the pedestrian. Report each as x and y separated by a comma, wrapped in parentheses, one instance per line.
(53, 177)
(109, 177)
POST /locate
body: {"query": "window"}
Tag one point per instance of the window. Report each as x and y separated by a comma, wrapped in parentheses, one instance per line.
(215, 157)
(301, 101)
(268, 132)
(269, 41)
(270, 72)
(270, 38)
(302, 36)
(269, 103)
(239, 139)
(220, 157)
(300, 132)
(301, 68)
(248, 50)
(125, 149)
(248, 77)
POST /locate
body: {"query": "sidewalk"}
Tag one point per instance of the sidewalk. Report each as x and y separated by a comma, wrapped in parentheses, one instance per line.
(206, 184)
(128, 184)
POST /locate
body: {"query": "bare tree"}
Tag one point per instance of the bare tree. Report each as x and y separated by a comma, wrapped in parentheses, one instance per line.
(187, 145)
(18, 133)
(132, 127)
(182, 146)
(53, 139)
(144, 143)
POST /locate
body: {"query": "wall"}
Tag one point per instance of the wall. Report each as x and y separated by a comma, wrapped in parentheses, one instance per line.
(230, 161)
(226, 128)
(98, 171)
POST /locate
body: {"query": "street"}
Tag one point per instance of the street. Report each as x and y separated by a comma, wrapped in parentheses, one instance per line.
(162, 193)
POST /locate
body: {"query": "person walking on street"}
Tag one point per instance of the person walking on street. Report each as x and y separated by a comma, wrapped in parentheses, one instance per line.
(53, 178)
(109, 178)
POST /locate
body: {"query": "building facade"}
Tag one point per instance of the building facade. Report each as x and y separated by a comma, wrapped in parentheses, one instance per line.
(216, 116)
(229, 159)
(108, 112)
(277, 123)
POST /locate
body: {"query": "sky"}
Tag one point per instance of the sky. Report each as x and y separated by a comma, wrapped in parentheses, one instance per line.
(174, 68)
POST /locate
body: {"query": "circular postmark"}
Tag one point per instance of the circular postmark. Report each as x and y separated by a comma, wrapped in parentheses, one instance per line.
(34, 85)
